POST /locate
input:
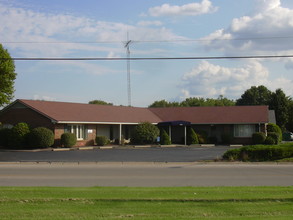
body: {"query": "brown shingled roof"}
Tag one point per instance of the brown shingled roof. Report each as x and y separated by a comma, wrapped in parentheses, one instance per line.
(76, 112)
(215, 115)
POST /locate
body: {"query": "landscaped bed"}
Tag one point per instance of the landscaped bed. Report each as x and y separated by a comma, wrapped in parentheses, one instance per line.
(146, 203)
(261, 153)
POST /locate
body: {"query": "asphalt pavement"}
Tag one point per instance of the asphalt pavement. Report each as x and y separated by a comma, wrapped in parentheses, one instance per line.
(145, 174)
(149, 154)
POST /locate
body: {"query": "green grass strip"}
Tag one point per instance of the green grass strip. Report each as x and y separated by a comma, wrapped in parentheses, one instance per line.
(146, 203)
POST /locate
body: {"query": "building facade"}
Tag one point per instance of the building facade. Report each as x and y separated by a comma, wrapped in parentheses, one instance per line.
(117, 122)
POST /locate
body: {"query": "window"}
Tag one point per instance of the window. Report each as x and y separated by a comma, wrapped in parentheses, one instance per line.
(78, 130)
(244, 130)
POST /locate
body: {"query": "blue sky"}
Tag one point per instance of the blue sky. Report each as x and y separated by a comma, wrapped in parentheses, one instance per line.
(98, 28)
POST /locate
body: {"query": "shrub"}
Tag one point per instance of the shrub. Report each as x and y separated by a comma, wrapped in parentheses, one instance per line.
(102, 140)
(192, 137)
(5, 134)
(202, 137)
(145, 133)
(275, 128)
(41, 138)
(270, 141)
(274, 136)
(226, 138)
(258, 137)
(232, 155)
(165, 139)
(259, 153)
(68, 139)
(18, 135)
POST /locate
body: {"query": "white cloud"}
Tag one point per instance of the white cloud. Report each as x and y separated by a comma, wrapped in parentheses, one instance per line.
(44, 98)
(258, 31)
(24, 25)
(210, 80)
(191, 9)
(150, 23)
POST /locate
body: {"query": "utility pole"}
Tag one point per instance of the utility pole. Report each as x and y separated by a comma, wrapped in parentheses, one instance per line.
(128, 69)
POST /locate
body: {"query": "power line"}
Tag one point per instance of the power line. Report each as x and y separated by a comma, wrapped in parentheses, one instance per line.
(150, 41)
(145, 58)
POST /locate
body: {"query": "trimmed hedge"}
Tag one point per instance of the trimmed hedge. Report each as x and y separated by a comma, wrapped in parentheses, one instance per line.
(18, 135)
(275, 128)
(165, 139)
(145, 133)
(273, 138)
(258, 137)
(41, 137)
(68, 139)
(102, 140)
(259, 153)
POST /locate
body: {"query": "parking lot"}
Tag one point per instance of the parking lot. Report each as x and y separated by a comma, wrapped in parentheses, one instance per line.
(148, 154)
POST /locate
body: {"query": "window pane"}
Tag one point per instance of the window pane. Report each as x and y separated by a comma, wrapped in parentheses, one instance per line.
(244, 130)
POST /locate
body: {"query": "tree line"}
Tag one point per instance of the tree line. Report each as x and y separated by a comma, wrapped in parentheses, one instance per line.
(256, 95)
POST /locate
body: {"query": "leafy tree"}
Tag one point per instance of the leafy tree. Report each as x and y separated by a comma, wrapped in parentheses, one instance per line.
(280, 103)
(163, 103)
(99, 102)
(195, 101)
(255, 96)
(145, 133)
(7, 77)
(289, 125)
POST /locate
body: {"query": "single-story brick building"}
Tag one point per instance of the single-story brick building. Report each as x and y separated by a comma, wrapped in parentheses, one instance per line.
(116, 122)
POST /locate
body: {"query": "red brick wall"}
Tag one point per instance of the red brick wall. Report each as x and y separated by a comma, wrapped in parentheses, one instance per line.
(90, 141)
(33, 119)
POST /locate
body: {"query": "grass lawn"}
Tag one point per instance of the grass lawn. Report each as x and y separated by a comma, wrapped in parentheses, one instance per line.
(146, 203)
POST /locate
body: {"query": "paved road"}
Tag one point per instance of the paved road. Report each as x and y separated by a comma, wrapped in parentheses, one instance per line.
(145, 174)
(157, 154)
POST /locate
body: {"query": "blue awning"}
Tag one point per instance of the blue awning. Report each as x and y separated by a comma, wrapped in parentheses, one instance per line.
(174, 123)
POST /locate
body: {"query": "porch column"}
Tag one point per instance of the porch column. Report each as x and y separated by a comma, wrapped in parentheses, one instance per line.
(185, 135)
(170, 133)
(120, 133)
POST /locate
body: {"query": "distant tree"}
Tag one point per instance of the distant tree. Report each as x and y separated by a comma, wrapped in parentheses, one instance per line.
(255, 96)
(195, 101)
(163, 103)
(223, 101)
(7, 77)
(289, 125)
(280, 103)
(99, 102)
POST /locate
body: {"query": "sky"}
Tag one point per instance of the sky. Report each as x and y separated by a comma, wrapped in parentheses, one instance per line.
(157, 29)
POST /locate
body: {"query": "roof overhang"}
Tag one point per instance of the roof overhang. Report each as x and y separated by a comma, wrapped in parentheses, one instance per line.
(91, 122)
(174, 123)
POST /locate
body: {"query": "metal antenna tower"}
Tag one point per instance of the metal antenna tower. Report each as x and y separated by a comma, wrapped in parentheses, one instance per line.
(128, 69)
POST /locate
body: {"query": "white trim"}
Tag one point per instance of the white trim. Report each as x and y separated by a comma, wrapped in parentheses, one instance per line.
(88, 122)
